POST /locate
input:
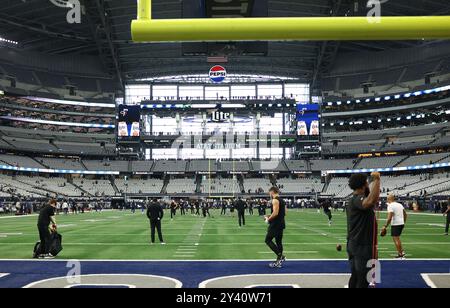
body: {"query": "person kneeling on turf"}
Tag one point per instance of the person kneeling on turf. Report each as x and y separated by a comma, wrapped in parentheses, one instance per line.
(46, 219)
(397, 215)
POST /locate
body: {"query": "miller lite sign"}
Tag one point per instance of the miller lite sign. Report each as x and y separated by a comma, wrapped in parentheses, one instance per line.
(217, 74)
(219, 116)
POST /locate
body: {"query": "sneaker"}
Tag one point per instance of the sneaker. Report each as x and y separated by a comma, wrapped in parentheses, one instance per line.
(163, 243)
(276, 264)
(281, 260)
(401, 257)
(330, 223)
(47, 256)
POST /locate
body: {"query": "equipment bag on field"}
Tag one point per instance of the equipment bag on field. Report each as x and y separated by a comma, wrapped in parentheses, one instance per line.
(55, 245)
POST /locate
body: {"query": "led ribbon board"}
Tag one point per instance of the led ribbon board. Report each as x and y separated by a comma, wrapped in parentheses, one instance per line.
(60, 171)
(146, 29)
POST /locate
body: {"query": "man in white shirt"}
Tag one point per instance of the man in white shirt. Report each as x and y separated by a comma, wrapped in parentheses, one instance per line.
(65, 207)
(397, 216)
(58, 207)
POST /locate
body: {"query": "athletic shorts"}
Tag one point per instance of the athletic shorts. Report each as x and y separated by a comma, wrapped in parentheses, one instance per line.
(396, 231)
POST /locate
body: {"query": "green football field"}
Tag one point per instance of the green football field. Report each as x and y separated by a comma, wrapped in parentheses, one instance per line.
(125, 236)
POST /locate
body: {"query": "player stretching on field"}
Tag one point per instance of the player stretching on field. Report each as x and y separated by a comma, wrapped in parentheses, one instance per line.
(397, 215)
(277, 225)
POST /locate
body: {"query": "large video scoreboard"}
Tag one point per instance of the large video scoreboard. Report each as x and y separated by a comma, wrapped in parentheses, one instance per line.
(192, 127)
(308, 120)
(128, 123)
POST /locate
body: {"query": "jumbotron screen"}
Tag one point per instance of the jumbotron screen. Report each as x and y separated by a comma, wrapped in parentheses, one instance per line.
(128, 124)
(308, 120)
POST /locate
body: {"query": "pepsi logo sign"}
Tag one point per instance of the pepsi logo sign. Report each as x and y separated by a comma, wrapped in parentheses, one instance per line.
(217, 74)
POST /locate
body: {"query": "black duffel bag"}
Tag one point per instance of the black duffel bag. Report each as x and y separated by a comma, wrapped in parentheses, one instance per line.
(55, 245)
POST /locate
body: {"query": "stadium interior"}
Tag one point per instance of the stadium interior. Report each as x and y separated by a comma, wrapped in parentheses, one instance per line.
(91, 118)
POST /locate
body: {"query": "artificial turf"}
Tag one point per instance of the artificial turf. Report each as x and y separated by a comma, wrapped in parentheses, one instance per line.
(120, 235)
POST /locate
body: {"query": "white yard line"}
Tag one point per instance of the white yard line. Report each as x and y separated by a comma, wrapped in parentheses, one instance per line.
(288, 252)
(423, 214)
(5, 235)
(220, 235)
(190, 243)
(23, 216)
(431, 225)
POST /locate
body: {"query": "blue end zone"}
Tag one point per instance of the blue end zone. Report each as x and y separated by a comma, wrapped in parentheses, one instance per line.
(395, 274)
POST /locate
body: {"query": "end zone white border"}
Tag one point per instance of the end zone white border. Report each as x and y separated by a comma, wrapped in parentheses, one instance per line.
(429, 282)
(129, 286)
(178, 284)
(294, 286)
(203, 284)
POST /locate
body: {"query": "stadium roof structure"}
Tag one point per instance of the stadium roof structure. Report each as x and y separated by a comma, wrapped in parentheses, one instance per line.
(104, 33)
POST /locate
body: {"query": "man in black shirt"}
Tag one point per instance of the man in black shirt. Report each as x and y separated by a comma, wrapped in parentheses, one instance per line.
(447, 212)
(277, 225)
(155, 214)
(240, 207)
(326, 206)
(224, 208)
(250, 207)
(232, 209)
(173, 210)
(46, 217)
(205, 209)
(362, 227)
(182, 208)
(197, 208)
